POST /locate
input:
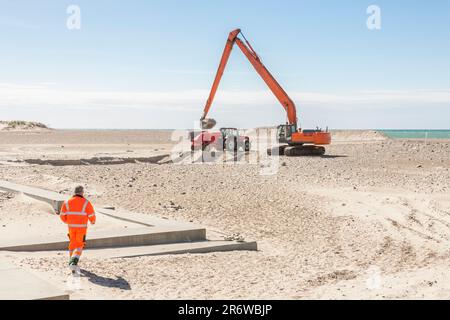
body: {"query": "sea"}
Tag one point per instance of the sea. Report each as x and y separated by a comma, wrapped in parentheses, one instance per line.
(417, 134)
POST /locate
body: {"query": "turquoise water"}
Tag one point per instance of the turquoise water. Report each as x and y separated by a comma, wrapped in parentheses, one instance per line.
(417, 134)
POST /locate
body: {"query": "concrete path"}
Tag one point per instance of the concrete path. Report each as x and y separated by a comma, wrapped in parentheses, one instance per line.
(53, 198)
(19, 284)
(144, 219)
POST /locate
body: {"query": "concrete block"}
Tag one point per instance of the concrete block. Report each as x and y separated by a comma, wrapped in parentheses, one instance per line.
(53, 198)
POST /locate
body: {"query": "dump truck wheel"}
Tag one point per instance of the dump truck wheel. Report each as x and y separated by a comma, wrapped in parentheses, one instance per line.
(247, 146)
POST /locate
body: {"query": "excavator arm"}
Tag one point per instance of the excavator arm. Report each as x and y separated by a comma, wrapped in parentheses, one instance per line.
(254, 59)
(293, 141)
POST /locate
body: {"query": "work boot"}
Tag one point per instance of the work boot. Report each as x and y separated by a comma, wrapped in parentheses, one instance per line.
(73, 265)
(74, 261)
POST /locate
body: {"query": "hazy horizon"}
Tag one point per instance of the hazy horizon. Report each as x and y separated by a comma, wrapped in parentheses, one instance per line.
(217, 127)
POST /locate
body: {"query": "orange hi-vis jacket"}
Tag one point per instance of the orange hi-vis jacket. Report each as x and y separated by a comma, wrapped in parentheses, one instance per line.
(76, 212)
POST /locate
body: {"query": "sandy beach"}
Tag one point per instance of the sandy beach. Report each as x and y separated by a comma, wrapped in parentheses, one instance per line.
(370, 219)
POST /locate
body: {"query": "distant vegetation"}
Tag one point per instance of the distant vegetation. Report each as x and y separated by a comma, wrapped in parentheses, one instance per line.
(21, 125)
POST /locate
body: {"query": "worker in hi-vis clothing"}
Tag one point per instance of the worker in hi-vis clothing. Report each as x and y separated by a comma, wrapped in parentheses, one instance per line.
(76, 212)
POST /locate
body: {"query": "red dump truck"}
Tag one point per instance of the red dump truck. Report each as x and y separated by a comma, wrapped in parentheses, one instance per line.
(225, 139)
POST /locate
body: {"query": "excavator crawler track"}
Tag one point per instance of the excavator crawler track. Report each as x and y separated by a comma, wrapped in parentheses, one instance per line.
(299, 151)
(296, 151)
(277, 151)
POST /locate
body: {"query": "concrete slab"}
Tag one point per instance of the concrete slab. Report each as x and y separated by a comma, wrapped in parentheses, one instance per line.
(47, 225)
(19, 284)
(53, 198)
(145, 219)
(177, 248)
(112, 238)
(5, 264)
(107, 160)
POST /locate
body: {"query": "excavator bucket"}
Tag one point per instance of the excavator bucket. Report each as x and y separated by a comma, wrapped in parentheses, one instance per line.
(208, 123)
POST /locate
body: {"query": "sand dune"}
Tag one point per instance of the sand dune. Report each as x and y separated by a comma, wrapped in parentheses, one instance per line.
(22, 126)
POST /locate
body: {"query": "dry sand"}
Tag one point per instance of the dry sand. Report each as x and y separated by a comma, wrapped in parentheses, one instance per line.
(369, 220)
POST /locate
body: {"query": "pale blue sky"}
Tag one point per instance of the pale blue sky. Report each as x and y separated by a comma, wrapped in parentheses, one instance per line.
(150, 64)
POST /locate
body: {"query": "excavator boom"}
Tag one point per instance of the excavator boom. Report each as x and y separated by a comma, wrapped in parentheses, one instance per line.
(254, 59)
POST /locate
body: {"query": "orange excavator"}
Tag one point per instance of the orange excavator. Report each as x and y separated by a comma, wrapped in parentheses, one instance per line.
(293, 140)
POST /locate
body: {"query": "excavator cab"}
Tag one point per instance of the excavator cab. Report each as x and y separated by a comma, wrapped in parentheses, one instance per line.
(284, 132)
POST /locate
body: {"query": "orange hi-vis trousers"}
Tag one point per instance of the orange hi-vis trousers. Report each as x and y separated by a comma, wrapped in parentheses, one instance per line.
(77, 238)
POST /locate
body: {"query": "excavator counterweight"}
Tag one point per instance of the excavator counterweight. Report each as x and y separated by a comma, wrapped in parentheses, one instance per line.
(293, 141)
